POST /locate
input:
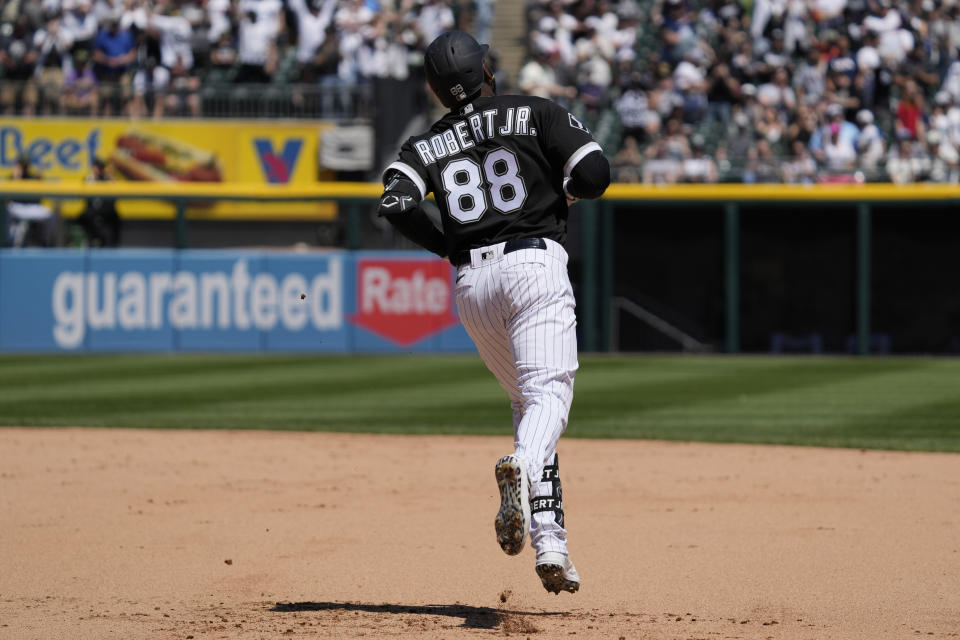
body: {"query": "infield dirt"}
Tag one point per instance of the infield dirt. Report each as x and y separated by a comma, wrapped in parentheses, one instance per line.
(213, 534)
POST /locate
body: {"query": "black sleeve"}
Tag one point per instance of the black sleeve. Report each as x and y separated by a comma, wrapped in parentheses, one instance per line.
(565, 139)
(400, 205)
(409, 165)
(590, 177)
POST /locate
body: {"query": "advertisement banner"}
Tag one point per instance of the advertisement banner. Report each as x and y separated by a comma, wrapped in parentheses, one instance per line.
(223, 300)
(254, 151)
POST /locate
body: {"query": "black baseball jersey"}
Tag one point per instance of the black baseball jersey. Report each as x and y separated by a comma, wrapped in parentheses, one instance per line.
(496, 167)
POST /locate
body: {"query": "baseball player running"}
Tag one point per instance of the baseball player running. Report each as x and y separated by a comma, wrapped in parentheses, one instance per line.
(504, 170)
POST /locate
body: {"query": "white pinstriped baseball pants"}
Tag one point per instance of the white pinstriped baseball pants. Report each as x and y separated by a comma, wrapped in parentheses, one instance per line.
(519, 310)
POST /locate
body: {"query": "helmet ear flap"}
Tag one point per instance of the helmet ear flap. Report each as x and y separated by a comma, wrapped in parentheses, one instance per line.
(489, 79)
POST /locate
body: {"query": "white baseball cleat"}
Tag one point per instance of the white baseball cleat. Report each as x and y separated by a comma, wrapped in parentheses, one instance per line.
(557, 572)
(513, 519)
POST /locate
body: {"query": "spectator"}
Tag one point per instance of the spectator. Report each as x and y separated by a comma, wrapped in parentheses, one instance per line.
(910, 124)
(80, 24)
(538, 77)
(150, 82)
(500, 76)
(801, 167)
(483, 19)
(940, 119)
(218, 17)
(722, 91)
(803, 127)
(777, 93)
(176, 56)
(383, 55)
(725, 172)
(633, 107)
(223, 56)
(18, 55)
(868, 58)
(882, 19)
(313, 19)
(905, 165)
(842, 63)
(435, 18)
(554, 35)
(842, 91)
(659, 167)
(30, 221)
(763, 11)
(53, 48)
(870, 143)
(80, 86)
(919, 68)
(691, 84)
(773, 58)
(761, 166)
(699, 167)
(325, 66)
(627, 162)
(741, 139)
(771, 127)
(847, 133)
(810, 81)
(257, 47)
(796, 36)
(951, 81)
(99, 219)
(677, 139)
(114, 52)
(944, 159)
(839, 154)
(677, 33)
(751, 106)
(594, 75)
(744, 66)
(666, 100)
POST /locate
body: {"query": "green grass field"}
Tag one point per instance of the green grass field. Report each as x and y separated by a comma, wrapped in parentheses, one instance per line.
(887, 403)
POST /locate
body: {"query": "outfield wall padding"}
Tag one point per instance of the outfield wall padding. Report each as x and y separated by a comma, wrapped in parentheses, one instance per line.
(58, 300)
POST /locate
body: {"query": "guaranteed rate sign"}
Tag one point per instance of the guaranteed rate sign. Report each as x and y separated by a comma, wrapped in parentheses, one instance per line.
(164, 300)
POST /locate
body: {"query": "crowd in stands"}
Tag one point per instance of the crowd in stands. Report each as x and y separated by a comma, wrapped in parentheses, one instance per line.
(140, 57)
(795, 91)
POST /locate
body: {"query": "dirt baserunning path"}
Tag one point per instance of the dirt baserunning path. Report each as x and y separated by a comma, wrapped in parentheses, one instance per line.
(212, 534)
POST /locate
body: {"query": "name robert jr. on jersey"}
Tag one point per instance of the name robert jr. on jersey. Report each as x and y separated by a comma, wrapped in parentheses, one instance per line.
(475, 129)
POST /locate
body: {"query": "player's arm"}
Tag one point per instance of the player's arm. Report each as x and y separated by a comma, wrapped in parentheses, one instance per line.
(589, 178)
(400, 205)
(569, 144)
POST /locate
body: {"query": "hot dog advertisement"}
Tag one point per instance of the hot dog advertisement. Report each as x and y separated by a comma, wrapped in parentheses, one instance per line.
(212, 151)
(140, 155)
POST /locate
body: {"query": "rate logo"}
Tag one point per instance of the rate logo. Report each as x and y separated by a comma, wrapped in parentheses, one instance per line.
(404, 301)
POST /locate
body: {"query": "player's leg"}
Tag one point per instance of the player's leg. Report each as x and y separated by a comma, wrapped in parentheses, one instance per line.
(480, 306)
(542, 334)
(547, 531)
(547, 534)
(543, 339)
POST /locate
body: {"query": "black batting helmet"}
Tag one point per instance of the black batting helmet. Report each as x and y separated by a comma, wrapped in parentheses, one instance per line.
(454, 64)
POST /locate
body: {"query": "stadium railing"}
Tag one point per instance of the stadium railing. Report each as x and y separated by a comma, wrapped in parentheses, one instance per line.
(217, 99)
(597, 229)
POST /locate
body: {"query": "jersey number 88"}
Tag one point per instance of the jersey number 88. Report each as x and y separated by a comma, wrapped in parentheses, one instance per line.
(463, 182)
